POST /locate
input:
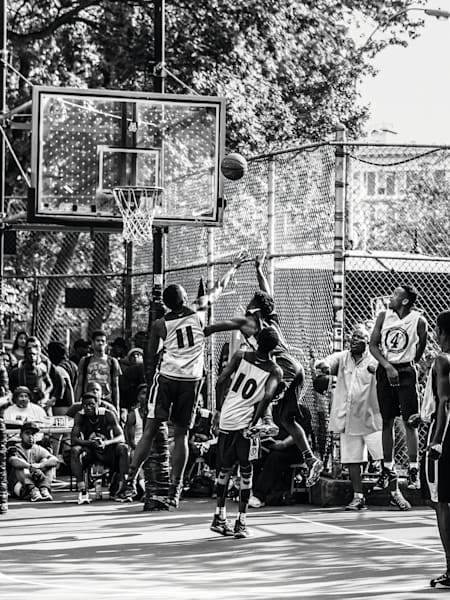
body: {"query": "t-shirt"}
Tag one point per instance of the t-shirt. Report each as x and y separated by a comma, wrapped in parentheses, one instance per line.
(32, 412)
(32, 455)
(102, 370)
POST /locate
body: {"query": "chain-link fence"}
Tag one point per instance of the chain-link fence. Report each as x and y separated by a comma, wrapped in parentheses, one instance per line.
(396, 221)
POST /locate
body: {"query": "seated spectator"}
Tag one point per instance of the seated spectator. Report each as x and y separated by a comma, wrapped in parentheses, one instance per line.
(63, 375)
(81, 349)
(96, 389)
(97, 439)
(30, 466)
(33, 372)
(280, 454)
(18, 348)
(22, 409)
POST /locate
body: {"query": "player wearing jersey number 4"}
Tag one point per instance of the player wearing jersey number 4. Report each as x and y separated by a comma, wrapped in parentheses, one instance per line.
(398, 342)
(175, 382)
(253, 378)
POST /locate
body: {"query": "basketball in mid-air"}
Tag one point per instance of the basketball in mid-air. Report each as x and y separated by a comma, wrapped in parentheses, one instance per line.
(234, 166)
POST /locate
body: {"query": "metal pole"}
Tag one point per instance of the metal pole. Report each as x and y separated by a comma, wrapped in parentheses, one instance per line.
(211, 357)
(3, 69)
(159, 74)
(271, 223)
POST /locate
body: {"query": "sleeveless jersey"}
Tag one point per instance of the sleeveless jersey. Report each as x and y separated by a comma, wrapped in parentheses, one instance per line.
(246, 390)
(399, 337)
(100, 426)
(184, 346)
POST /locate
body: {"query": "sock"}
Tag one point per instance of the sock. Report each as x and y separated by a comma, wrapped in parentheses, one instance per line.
(81, 487)
(242, 517)
(389, 465)
(222, 512)
(359, 495)
(413, 465)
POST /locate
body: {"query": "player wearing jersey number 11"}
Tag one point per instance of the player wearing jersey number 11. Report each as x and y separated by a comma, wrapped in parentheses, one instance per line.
(398, 342)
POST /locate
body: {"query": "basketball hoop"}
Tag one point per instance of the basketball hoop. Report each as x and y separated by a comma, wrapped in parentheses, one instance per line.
(137, 206)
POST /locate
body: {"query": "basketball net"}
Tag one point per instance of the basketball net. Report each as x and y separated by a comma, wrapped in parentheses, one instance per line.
(137, 206)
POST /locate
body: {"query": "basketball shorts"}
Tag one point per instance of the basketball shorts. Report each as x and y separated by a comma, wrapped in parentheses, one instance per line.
(435, 474)
(174, 400)
(232, 448)
(401, 400)
(354, 447)
(109, 456)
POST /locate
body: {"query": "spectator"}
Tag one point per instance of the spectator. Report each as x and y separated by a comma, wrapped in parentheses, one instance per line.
(30, 466)
(63, 372)
(6, 361)
(132, 377)
(4, 378)
(80, 350)
(96, 389)
(97, 438)
(18, 348)
(136, 417)
(33, 373)
(119, 348)
(140, 339)
(22, 409)
(101, 368)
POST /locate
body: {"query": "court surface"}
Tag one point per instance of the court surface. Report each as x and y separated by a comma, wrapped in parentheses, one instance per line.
(110, 550)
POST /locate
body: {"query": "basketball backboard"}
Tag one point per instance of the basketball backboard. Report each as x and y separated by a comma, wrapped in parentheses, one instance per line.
(86, 142)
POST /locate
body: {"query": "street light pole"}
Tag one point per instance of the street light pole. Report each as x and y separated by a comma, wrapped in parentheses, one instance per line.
(437, 13)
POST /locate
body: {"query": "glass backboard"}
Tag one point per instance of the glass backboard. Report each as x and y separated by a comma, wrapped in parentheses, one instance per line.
(86, 142)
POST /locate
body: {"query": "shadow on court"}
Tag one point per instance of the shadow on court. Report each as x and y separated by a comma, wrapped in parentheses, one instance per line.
(110, 550)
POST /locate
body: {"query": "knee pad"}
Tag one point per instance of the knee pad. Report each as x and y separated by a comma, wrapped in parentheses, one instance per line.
(246, 477)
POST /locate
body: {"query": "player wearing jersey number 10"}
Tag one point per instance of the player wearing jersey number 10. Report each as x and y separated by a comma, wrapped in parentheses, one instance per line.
(398, 341)
(175, 382)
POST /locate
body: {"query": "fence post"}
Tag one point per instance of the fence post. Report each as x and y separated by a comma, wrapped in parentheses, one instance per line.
(271, 223)
(338, 269)
(211, 359)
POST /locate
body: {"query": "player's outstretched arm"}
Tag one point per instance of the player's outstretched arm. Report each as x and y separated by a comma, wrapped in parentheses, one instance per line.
(263, 282)
(219, 287)
(225, 378)
(230, 325)
(157, 333)
(442, 370)
(422, 332)
(269, 392)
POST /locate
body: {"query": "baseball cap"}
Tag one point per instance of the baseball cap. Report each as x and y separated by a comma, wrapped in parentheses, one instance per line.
(22, 389)
(30, 426)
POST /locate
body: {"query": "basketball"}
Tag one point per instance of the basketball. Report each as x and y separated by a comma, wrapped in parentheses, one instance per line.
(234, 166)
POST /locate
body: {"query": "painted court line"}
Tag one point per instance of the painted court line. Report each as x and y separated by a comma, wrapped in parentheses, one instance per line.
(366, 534)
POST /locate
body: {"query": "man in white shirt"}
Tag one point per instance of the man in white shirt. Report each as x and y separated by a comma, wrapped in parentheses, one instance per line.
(23, 409)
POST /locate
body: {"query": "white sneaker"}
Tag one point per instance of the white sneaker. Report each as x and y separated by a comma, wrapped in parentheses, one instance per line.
(255, 502)
(83, 497)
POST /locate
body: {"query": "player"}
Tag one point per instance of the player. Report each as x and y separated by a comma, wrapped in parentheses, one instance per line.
(398, 341)
(436, 460)
(254, 380)
(261, 308)
(176, 381)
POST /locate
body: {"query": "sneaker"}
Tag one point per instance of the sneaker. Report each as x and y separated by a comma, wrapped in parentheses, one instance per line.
(222, 526)
(387, 476)
(357, 504)
(155, 505)
(255, 502)
(83, 497)
(98, 494)
(398, 500)
(35, 495)
(441, 582)
(240, 530)
(45, 494)
(314, 473)
(127, 492)
(413, 479)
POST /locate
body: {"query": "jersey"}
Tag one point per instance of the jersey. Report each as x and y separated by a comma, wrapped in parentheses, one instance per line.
(399, 337)
(246, 390)
(184, 347)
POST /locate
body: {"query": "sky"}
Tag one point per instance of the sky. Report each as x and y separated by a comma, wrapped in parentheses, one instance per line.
(411, 93)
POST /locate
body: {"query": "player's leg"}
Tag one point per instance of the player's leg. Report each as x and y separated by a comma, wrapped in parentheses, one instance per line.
(185, 397)
(246, 473)
(156, 472)
(225, 462)
(409, 407)
(443, 523)
(389, 409)
(353, 454)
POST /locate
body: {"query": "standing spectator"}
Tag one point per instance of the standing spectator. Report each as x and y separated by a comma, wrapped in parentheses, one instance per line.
(355, 413)
(80, 350)
(132, 377)
(140, 339)
(30, 466)
(18, 348)
(119, 348)
(33, 373)
(62, 379)
(22, 408)
(101, 368)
